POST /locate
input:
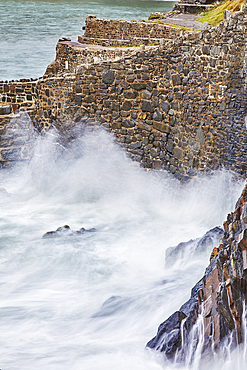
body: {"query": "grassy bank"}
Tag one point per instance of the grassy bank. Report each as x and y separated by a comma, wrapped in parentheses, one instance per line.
(215, 15)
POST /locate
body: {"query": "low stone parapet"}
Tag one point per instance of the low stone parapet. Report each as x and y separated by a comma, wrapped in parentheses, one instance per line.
(135, 41)
(125, 30)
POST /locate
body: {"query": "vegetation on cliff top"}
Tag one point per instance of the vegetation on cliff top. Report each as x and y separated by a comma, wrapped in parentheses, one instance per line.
(215, 15)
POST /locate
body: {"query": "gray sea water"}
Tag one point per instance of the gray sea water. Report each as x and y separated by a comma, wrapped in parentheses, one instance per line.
(30, 29)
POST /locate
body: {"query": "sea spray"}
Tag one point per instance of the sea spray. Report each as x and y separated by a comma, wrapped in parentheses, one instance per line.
(54, 292)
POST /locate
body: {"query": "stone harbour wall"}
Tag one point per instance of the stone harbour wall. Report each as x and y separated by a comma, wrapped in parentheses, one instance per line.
(16, 139)
(131, 42)
(14, 94)
(69, 55)
(116, 31)
(179, 106)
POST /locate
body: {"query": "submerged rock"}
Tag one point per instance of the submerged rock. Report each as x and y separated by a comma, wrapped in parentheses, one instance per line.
(194, 246)
(216, 309)
(66, 230)
(113, 305)
(3, 192)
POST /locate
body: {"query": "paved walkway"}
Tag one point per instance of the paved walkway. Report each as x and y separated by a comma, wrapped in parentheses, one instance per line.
(185, 20)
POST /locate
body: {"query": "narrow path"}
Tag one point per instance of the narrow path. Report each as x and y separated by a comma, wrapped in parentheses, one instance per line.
(185, 20)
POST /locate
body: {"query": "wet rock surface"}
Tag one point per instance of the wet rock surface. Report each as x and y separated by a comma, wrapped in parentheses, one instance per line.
(216, 309)
(66, 231)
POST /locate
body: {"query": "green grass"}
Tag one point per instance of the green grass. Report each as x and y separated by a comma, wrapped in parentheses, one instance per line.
(170, 25)
(153, 43)
(215, 15)
(177, 26)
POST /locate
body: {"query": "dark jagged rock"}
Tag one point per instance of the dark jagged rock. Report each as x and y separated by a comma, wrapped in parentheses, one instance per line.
(168, 338)
(194, 246)
(66, 230)
(217, 306)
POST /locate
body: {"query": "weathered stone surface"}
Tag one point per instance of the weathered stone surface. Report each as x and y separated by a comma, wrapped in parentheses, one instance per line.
(157, 116)
(108, 76)
(139, 86)
(128, 123)
(146, 94)
(170, 146)
(215, 51)
(176, 80)
(161, 127)
(165, 106)
(147, 106)
(130, 94)
(126, 105)
(200, 136)
(90, 98)
(5, 109)
(178, 153)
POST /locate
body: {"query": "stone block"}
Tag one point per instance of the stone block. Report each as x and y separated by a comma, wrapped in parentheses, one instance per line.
(5, 109)
(170, 146)
(178, 152)
(163, 127)
(144, 126)
(154, 152)
(165, 106)
(200, 136)
(5, 88)
(90, 98)
(147, 106)
(157, 116)
(130, 94)
(222, 106)
(126, 105)
(139, 86)
(145, 94)
(176, 80)
(128, 123)
(206, 49)
(108, 76)
(215, 51)
(78, 98)
(157, 165)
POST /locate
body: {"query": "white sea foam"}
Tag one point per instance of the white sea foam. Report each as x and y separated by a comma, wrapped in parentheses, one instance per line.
(93, 301)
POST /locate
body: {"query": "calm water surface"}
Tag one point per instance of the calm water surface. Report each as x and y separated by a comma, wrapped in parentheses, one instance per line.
(30, 29)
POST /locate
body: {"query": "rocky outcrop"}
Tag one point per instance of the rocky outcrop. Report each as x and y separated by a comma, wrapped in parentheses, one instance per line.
(66, 230)
(216, 309)
(194, 246)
